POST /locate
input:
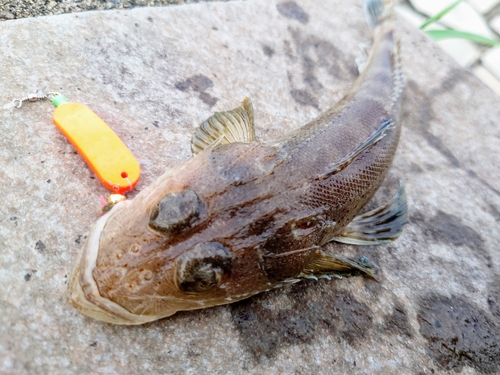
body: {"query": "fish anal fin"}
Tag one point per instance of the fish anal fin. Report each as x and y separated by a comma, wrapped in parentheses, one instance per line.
(381, 225)
(326, 265)
(231, 126)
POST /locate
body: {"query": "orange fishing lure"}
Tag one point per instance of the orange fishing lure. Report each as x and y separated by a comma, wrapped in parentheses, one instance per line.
(104, 152)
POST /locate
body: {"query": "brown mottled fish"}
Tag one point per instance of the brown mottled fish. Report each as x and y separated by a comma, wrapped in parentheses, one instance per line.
(242, 217)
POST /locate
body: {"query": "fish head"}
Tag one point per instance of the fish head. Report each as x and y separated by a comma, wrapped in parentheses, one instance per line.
(171, 248)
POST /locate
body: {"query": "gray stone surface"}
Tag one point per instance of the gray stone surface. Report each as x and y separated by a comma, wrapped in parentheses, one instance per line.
(11, 9)
(153, 74)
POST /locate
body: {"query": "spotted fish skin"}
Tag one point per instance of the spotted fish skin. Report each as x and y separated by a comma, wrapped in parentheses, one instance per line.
(242, 217)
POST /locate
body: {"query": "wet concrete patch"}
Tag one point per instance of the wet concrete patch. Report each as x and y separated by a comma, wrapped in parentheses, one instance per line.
(449, 229)
(397, 322)
(494, 211)
(314, 54)
(459, 334)
(265, 325)
(200, 84)
(421, 116)
(292, 10)
(40, 246)
(494, 299)
(305, 98)
(421, 119)
(268, 51)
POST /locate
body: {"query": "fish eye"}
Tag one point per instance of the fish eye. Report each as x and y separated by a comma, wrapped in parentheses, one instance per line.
(202, 268)
(176, 212)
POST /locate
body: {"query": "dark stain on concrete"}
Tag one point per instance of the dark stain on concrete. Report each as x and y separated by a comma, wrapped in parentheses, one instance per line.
(293, 11)
(287, 47)
(494, 299)
(265, 326)
(268, 51)
(356, 316)
(494, 211)
(438, 144)
(415, 168)
(397, 322)
(305, 98)
(483, 181)
(40, 246)
(208, 99)
(27, 277)
(459, 334)
(199, 83)
(314, 53)
(449, 229)
(317, 53)
(421, 113)
(421, 118)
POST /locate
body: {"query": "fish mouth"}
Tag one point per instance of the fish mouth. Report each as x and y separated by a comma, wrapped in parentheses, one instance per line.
(83, 291)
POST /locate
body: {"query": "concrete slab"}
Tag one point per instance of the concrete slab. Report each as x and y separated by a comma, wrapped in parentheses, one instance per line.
(484, 6)
(495, 24)
(464, 52)
(410, 14)
(437, 308)
(491, 61)
(463, 17)
(484, 75)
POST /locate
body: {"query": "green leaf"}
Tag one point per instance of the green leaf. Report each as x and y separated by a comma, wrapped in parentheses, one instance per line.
(445, 34)
(438, 16)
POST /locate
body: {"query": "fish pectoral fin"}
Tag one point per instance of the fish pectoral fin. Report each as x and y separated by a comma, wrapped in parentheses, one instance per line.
(325, 265)
(225, 127)
(381, 225)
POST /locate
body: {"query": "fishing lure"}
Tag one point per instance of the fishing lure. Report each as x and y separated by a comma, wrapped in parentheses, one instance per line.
(103, 151)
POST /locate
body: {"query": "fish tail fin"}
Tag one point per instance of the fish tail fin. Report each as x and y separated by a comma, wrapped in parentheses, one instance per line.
(378, 12)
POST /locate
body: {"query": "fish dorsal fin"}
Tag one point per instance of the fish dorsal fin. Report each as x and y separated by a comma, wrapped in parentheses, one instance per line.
(383, 224)
(225, 127)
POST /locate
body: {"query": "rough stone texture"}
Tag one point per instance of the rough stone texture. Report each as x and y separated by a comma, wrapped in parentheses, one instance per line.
(153, 75)
(11, 9)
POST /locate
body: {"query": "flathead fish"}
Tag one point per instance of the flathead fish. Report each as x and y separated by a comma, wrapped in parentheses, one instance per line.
(242, 217)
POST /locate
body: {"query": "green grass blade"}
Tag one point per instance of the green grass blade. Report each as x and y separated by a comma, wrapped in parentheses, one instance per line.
(438, 16)
(445, 34)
